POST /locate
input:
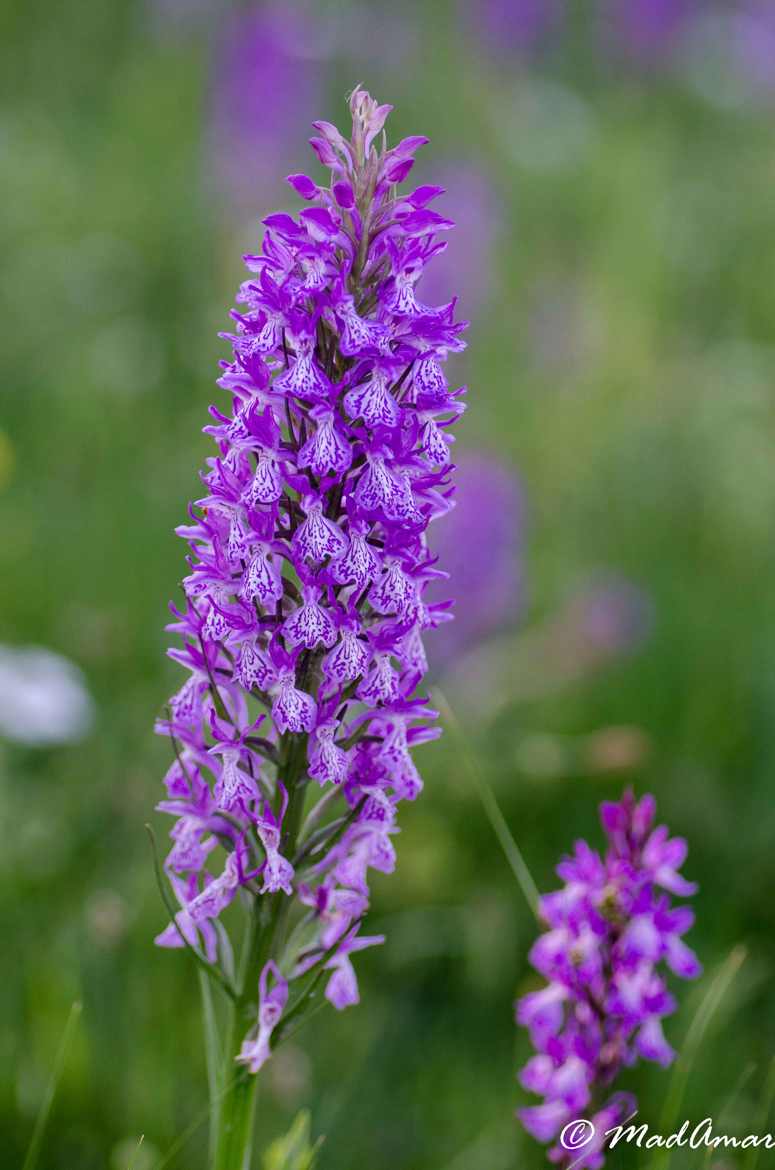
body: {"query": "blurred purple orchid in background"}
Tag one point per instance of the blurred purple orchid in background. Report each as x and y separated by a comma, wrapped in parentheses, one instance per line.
(648, 31)
(725, 52)
(516, 27)
(267, 79)
(481, 548)
(728, 55)
(756, 45)
(603, 619)
(611, 929)
(607, 616)
(468, 264)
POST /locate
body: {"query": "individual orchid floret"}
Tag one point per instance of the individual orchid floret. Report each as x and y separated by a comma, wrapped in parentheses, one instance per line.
(305, 599)
(611, 931)
(255, 1050)
(184, 929)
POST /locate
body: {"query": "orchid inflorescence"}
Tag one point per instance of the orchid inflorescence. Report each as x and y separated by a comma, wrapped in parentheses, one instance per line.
(304, 610)
(609, 931)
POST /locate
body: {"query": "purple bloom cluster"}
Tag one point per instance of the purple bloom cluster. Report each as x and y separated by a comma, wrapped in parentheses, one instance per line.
(305, 602)
(610, 929)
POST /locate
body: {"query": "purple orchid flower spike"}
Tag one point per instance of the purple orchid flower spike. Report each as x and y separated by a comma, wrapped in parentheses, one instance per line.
(306, 596)
(610, 928)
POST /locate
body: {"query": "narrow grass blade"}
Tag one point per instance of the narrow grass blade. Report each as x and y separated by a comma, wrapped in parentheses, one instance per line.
(511, 850)
(33, 1153)
(710, 1004)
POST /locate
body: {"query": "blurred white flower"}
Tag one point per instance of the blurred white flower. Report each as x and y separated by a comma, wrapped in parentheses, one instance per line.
(43, 697)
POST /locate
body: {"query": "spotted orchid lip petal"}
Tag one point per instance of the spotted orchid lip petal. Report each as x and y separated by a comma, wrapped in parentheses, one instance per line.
(308, 569)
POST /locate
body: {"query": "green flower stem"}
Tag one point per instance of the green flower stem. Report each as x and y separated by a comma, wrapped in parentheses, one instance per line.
(233, 1145)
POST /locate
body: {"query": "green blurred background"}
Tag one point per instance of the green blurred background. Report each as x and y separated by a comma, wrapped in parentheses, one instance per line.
(618, 252)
